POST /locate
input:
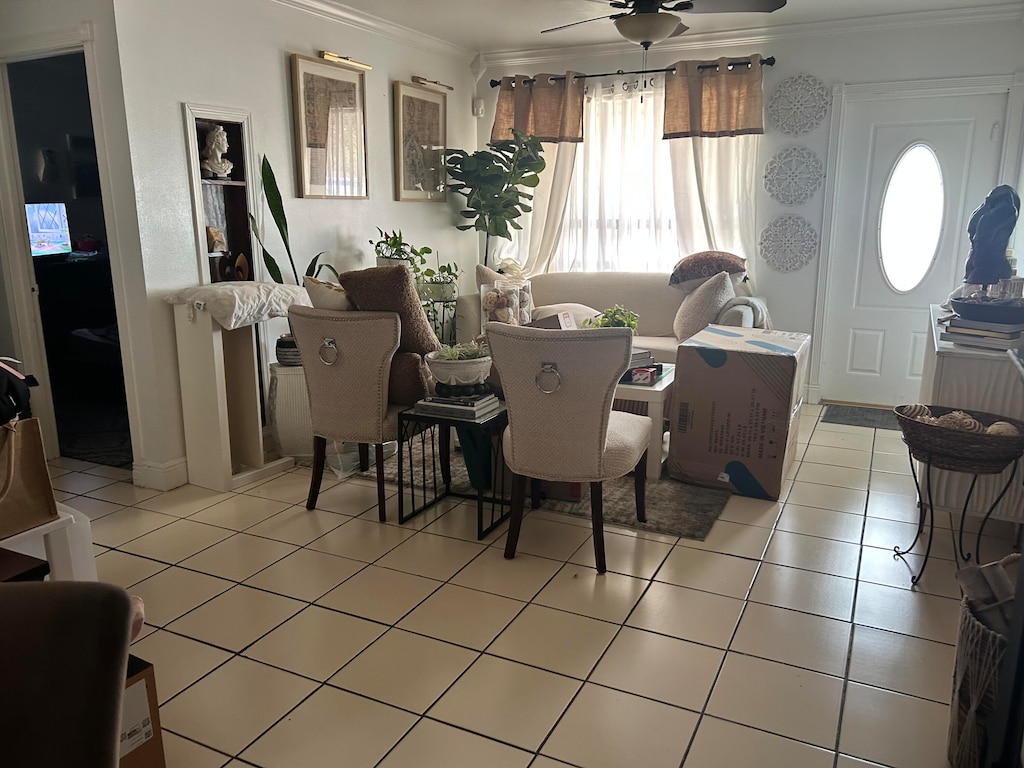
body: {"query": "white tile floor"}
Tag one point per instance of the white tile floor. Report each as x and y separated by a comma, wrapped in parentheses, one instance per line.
(789, 637)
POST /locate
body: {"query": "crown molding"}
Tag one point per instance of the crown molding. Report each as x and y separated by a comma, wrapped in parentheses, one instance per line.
(343, 14)
(754, 36)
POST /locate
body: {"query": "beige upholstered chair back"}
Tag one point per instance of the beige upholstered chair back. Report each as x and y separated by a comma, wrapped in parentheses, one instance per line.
(559, 435)
(346, 357)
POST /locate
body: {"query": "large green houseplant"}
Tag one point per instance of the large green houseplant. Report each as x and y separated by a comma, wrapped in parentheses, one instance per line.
(275, 203)
(492, 181)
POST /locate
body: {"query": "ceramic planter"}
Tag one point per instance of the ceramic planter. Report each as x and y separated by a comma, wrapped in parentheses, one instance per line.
(456, 372)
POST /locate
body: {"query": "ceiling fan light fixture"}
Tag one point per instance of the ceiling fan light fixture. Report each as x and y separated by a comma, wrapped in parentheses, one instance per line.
(646, 29)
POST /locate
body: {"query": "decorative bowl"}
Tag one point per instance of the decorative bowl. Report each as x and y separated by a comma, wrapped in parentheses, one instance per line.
(989, 311)
(474, 371)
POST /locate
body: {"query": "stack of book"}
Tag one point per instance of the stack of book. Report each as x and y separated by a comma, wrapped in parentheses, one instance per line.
(642, 358)
(976, 333)
(472, 407)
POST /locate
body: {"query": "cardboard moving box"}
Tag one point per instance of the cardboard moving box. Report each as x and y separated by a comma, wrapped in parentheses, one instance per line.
(142, 744)
(737, 400)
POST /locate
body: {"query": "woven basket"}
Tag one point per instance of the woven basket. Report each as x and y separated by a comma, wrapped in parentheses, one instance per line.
(979, 652)
(952, 449)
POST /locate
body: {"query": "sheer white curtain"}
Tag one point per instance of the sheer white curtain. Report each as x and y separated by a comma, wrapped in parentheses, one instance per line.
(346, 169)
(638, 202)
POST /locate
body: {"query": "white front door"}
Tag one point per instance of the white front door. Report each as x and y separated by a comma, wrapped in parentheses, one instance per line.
(875, 321)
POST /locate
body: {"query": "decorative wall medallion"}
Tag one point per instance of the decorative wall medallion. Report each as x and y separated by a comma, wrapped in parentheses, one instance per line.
(788, 243)
(799, 104)
(793, 175)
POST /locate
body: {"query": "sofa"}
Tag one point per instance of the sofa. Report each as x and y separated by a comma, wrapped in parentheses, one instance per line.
(646, 293)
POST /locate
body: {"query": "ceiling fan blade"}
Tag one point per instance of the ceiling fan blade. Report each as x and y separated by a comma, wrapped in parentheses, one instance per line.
(577, 23)
(736, 6)
(679, 30)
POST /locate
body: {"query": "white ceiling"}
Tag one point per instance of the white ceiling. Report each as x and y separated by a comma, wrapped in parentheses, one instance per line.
(489, 26)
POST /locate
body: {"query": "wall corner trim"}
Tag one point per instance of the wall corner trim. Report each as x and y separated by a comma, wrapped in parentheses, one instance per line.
(161, 477)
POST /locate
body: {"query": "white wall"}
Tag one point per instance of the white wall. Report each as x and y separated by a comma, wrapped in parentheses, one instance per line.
(235, 53)
(881, 55)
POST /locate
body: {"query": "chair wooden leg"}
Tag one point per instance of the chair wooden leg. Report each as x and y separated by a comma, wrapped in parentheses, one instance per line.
(364, 456)
(319, 459)
(381, 509)
(515, 521)
(597, 520)
(640, 486)
(534, 493)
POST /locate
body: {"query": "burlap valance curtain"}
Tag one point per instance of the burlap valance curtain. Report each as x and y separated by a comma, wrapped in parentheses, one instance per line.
(551, 110)
(721, 101)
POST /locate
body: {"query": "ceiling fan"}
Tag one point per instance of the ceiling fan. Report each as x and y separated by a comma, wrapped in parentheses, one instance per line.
(647, 22)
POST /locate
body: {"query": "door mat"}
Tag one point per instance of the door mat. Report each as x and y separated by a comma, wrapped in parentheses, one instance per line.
(673, 508)
(856, 416)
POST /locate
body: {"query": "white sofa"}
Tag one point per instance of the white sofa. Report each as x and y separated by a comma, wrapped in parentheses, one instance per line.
(646, 293)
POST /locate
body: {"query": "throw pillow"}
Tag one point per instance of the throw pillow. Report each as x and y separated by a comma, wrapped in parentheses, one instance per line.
(391, 289)
(579, 312)
(701, 307)
(705, 264)
(326, 295)
(408, 381)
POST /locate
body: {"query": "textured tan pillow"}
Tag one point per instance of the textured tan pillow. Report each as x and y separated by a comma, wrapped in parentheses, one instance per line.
(701, 307)
(408, 382)
(705, 264)
(326, 295)
(391, 289)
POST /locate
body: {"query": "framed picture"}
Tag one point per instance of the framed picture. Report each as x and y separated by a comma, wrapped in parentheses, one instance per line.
(421, 118)
(330, 128)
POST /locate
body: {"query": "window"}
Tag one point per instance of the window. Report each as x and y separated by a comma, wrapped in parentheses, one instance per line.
(911, 218)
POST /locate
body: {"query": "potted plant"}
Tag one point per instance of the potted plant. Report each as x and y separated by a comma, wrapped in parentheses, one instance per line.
(460, 364)
(616, 317)
(276, 205)
(435, 284)
(392, 249)
(491, 181)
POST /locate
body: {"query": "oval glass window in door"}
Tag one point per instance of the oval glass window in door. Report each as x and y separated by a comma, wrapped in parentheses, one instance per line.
(911, 218)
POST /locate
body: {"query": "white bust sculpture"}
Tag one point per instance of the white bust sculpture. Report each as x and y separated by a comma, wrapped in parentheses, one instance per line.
(213, 163)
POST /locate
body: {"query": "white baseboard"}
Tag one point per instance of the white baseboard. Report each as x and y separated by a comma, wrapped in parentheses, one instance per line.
(813, 394)
(161, 477)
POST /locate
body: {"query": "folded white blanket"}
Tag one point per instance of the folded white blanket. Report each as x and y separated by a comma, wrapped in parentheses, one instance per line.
(237, 304)
(760, 309)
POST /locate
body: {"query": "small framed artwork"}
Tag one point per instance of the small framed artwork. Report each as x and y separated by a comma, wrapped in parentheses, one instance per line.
(330, 128)
(421, 118)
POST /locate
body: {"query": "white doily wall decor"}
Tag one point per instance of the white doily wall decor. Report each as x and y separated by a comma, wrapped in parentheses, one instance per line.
(788, 243)
(799, 104)
(793, 175)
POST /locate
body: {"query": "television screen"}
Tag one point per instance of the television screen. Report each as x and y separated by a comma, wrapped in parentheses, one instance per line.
(48, 228)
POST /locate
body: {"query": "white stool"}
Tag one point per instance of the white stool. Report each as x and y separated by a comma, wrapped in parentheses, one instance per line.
(65, 543)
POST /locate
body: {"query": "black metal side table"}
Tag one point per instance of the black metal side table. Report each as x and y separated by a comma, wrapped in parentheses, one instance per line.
(425, 444)
(971, 453)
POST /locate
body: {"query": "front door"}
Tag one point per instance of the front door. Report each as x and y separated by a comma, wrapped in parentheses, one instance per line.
(914, 154)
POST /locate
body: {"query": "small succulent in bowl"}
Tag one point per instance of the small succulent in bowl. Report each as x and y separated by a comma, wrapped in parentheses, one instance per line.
(616, 317)
(467, 351)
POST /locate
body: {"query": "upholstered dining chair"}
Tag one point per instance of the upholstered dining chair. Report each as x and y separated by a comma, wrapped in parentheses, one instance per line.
(63, 656)
(559, 387)
(347, 357)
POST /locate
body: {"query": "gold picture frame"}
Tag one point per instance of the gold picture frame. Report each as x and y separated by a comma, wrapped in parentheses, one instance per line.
(329, 106)
(421, 140)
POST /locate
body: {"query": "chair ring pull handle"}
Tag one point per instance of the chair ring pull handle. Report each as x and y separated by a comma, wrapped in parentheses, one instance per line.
(330, 347)
(548, 368)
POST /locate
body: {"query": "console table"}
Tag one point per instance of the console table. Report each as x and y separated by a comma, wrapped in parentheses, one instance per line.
(972, 380)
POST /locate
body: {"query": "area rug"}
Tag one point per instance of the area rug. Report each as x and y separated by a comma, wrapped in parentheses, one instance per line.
(673, 508)
(856, 416)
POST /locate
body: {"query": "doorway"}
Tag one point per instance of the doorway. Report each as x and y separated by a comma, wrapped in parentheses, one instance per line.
(910, 168)
(72, 282)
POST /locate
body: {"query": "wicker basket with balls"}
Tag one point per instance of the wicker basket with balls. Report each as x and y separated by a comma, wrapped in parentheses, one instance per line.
(953, 439)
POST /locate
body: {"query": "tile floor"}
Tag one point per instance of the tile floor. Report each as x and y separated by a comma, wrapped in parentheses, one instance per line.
(790, 637)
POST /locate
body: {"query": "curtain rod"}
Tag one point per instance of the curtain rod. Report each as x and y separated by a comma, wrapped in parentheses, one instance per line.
(769, 62)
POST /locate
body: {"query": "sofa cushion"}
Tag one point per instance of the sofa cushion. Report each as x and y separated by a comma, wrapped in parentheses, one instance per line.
(662, 347)
(579, 312)
(391, 289)
(701, 307)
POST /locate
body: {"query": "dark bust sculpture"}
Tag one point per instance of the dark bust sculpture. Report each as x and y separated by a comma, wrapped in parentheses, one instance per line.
(989, 229)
